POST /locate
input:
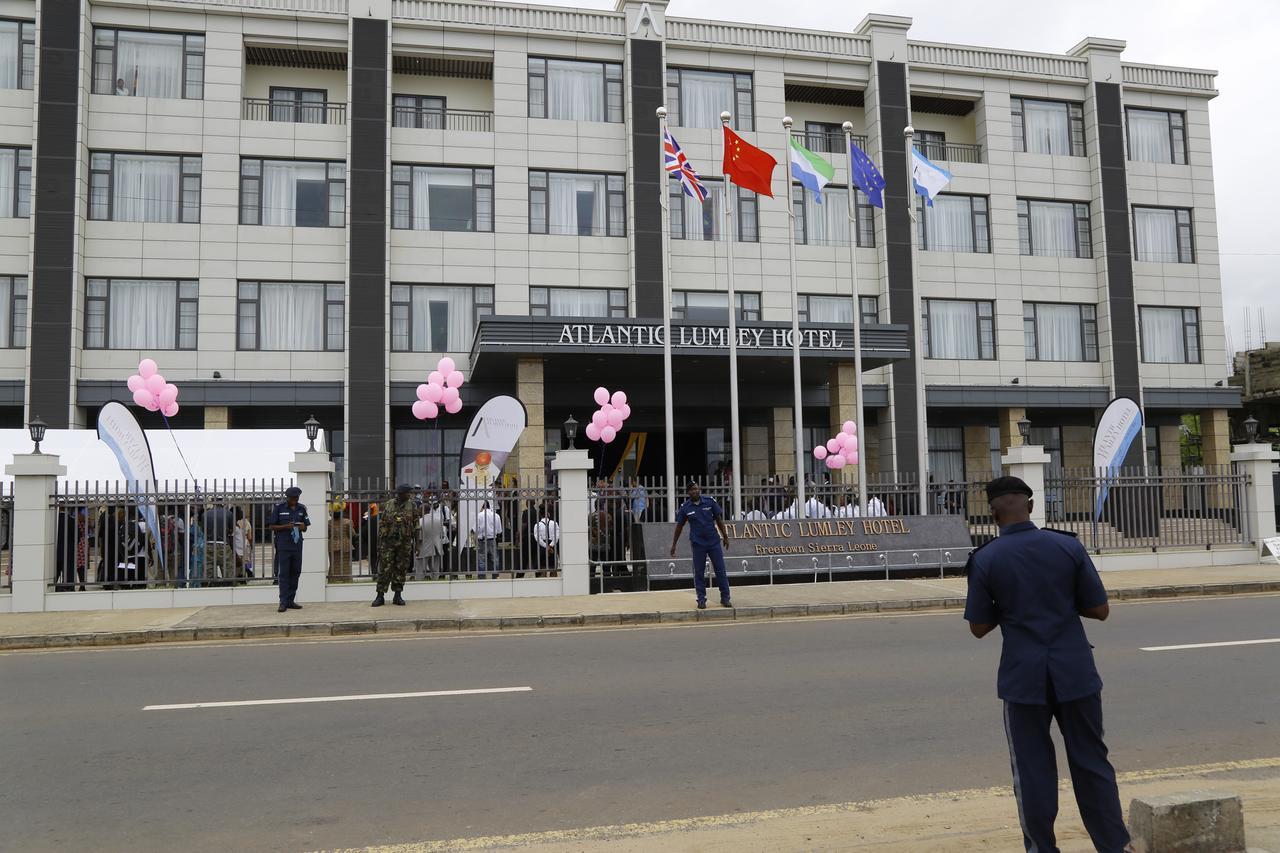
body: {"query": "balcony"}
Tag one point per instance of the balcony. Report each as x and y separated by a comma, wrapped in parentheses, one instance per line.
(440, 118)
(305, 112)
(821, 142)
(950, 152)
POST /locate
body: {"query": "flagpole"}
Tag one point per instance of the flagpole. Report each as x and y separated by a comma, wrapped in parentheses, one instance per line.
(857, 321)
(735, 443)
(795, 317)
(922, 446)
(668, 406)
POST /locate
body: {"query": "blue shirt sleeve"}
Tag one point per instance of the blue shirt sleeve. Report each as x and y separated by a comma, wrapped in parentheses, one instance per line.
(1089, 589)
(980, 607)
(716, 510)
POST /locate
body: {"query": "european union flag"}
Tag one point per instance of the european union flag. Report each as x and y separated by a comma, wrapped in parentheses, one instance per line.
(866, 176)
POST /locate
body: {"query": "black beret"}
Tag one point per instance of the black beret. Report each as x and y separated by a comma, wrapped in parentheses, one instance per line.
(293, 492)
(404, 489)
(1001, 486)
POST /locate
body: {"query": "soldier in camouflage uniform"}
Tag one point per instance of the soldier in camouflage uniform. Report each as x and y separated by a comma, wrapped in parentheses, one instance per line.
(397, 527)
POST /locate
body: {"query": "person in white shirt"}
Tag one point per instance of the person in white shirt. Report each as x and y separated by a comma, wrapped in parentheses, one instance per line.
(754, 513)
(487, 528)
(547, 534)
(813, 508)
(434, 539)
(848, 508)
(875, 507)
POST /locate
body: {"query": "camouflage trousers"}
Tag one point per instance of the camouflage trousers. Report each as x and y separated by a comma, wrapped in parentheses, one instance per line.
(219, 561)
(393, 565)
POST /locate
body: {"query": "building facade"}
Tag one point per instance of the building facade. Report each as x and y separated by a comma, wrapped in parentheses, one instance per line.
(296, 207)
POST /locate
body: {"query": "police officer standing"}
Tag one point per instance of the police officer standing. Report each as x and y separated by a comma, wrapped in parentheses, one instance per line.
(704, 517)
(397, 532)
(1036, 584)
(288, 521)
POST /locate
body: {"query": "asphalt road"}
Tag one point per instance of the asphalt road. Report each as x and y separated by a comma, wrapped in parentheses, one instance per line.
(621, 725)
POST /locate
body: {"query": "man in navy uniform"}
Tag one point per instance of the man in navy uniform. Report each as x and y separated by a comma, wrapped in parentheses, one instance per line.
(288, 521)
(704, 517)
(1036, 584)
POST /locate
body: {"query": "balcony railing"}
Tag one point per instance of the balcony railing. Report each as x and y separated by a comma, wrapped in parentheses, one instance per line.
(429, 118)
(317, 112)
(820, 142)
(952, 152)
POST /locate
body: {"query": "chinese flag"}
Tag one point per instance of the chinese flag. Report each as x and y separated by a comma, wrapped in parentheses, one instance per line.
(746, 165)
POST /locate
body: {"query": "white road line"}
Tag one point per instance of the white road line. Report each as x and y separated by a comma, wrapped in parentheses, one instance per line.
(1210, 645)
(356, 698)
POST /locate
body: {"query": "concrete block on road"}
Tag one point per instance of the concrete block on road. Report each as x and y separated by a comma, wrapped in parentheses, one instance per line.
(1219, 588)
(1188, 589)
(35, 642)
(561, 621)
(171, 635)
(679, 616)
(926, 604)
(476, 624)
(785, 610)
(260, 631)
(74, 640)
(438, 624)
(347, 628)
(311, 629)
(521, 621)
(886, 606)
(602, 619)
(221, 632)
(1238, 588)
(397, 626)
(639, 618)
(120, 638)
(826, 609)
(861, 606)
(753, 612)
(720, 614)
(1202, 821)
(1160, 592)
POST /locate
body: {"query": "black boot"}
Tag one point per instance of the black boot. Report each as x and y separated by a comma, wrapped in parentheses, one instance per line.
(397, 599)
(379, 601)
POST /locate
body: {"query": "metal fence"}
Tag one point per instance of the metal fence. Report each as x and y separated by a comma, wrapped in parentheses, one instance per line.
(6, 536)
(458, 533)
(951, 152)
(296, 112)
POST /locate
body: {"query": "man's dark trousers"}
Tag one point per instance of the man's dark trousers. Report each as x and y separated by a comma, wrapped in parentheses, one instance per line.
(288, 569)
(1035, 772)
(700, 554)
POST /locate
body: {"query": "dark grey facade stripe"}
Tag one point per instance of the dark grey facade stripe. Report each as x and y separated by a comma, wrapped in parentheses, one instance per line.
(1183, 399)
(367, 184)
(52, 285)
(1016, 396)
(891, 82)
(206, 392)
(648, 90)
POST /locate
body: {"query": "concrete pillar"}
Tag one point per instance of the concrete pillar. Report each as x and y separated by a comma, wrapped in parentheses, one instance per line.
(530, 452)
(573, 466)
(1008, 422)
(844, 407)
(784, 442)
(313, 474)
(977, 453)
(1256, 461)
(1215, 437)
(1169, 446)
(34, 528)
(1028, 462)
(1077, 453)
(217, 417)
(755, 454)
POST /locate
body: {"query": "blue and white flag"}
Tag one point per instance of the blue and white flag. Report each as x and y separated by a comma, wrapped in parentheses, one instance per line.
(864, 175)
(927, 178)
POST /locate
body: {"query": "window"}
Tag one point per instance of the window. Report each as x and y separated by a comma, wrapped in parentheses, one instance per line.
(422, 111)
(711, 307)
(301, 106)
(15, 183)
(996, 451)
(1157, 136)
(932, 144)
(1060, 332)
(17, 54)
(700, 220)
(148, 65)
(436, 317)
(575, 90)
(141, 314)
(827, 224)
(959, 328)
(1050, 438)
(824, 136)
(1170, 335)
(427, 456)
(577, 302)
(1162, 235)
(1047, 127)
(577, 203)
(290, 316)
(815, 308)
(441, 198)
(955, 223)
(696, 98)
(144, 187)
(301, 193)
(13, 311)
(946, 454)
(1054, 229)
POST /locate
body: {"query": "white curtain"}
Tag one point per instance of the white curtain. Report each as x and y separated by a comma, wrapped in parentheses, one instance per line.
(710, 307)
(577, 204)
(1053, 229)
(949, 224)
(1058, 332)
(459, 328)
(703, 96)
(1155, 233)
(576, 302)
(445, 196)
(1046, 127)
(701, 218)
(575, 90)
(143, 314)
(280, 189)
(946, 462)
(150, 64)
(8, 174)
(10, 49)
(292, 316)
(1162, 341)
(953, 329)
(1149, 136)
(828, 222)
(146, 188)
(830, 309)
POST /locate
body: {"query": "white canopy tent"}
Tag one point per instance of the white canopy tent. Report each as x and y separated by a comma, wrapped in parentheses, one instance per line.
(213, 454)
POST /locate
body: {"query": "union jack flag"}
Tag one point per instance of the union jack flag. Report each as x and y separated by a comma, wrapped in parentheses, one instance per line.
(677, 164)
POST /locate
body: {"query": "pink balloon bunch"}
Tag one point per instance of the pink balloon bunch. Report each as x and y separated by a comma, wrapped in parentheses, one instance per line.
(841, 449)
(608, 419)
(151, 392)
(441, 389)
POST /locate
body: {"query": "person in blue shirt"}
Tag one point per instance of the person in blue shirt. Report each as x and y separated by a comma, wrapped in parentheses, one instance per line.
(288, 521)
(705, 518)
(1036, 585)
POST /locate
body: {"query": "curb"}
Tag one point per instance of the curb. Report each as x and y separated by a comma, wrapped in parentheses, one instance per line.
(488, 623)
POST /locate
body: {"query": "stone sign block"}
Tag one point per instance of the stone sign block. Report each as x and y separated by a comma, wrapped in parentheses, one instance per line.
(1190, 822)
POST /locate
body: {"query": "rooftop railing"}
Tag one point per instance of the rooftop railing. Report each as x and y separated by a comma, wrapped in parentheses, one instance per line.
(315, 112)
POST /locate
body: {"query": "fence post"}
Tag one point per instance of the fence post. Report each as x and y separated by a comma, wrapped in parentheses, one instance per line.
(572, 466)
(34, 529)
(1027, 462)
(314, 472)
(1256, 462)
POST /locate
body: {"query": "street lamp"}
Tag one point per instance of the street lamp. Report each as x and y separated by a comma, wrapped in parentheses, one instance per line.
(37, 428)
(570, 431)
(313, 429)
(1024, 429)
(1251, 428)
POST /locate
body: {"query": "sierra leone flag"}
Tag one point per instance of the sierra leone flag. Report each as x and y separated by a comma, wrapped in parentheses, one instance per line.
(810, 170)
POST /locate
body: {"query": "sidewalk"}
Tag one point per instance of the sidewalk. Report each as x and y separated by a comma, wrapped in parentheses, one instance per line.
(234, 622)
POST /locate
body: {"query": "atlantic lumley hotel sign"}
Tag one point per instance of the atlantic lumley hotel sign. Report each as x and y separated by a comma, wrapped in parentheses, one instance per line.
(649, 335)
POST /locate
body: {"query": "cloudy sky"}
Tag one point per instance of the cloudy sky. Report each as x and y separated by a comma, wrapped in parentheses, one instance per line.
(1237, 38)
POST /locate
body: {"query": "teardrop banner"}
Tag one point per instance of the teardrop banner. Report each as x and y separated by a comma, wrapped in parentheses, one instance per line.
(490, 439)
(119, 430)
(1119, 425)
